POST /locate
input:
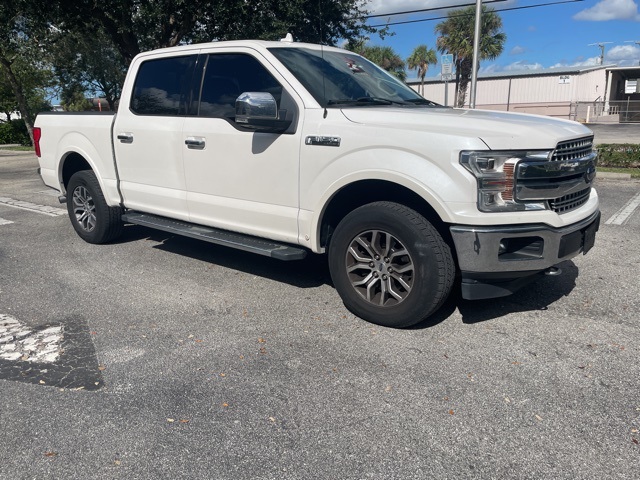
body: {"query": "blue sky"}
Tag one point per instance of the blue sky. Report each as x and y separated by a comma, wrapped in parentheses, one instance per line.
(542, 37)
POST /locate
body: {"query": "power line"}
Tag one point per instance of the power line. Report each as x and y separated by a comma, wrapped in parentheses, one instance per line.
(464, 14)
(428, 9)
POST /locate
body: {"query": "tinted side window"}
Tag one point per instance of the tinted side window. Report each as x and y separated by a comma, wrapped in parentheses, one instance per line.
(226, 76)
(162, 86)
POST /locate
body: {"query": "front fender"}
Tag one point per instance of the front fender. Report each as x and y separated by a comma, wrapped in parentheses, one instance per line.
(436, 182)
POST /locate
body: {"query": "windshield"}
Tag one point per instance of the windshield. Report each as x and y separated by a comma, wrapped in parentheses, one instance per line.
(345, 79)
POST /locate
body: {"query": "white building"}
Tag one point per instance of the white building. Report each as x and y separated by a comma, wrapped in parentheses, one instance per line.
(579, 93)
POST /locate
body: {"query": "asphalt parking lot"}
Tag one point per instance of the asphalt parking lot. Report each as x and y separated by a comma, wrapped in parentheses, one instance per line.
(163, 357)
(615, 132)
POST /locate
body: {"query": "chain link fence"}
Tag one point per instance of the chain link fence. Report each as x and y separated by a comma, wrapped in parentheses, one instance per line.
(621, 111)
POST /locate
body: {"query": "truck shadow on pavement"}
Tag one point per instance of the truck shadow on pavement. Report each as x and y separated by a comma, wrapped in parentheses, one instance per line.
(313, 271)
(538, 295)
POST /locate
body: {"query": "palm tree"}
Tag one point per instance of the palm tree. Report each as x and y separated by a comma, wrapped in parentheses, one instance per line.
(420, 59)
(456, 37)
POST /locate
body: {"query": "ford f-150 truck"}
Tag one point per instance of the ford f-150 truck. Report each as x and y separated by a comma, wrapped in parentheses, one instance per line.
(283, 148)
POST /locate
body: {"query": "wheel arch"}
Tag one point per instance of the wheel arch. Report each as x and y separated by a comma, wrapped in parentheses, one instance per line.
(362, 192)
(71, 163)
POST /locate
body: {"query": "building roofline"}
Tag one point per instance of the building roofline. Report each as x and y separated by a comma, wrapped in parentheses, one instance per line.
(617, 69)
(541, 72)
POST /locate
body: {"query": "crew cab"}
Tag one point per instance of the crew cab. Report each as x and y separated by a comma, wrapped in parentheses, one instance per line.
(285, 149)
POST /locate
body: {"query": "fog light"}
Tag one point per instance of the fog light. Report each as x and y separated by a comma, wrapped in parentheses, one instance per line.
(520, 248)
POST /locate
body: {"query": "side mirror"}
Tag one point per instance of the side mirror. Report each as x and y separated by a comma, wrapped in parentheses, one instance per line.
(259, 111)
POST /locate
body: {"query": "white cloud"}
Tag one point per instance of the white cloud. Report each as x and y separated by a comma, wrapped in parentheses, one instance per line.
(385, 6)
(518, 66)
(610, 10)
(517, 50)
(378, 7)
(589, 62)
(490, 68)
(522, 65)
(623, 55)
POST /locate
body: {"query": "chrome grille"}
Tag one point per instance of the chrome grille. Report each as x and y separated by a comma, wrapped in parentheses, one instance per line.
(570, 202)
(566, 151)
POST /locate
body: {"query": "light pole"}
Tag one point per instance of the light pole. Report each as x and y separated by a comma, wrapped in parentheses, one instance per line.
(476, 47)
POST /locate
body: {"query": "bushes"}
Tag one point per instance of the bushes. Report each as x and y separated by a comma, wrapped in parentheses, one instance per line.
(620, 155)
(14, 131)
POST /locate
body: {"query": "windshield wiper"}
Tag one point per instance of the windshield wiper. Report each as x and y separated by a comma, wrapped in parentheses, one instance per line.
(423, 101)
(364, 101)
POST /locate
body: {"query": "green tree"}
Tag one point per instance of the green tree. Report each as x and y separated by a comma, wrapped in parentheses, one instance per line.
(134, 26)
(456, 37)
(22, 67)
(73, 98)
(384, 57)
(420, 59)
(88, 64)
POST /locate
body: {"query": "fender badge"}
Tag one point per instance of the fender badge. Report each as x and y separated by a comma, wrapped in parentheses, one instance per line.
(322, 141)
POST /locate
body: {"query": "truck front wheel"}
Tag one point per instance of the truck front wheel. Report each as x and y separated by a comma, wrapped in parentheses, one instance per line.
(390, 265)
(91, 217)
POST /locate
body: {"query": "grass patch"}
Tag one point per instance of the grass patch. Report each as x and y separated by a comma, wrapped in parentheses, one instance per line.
(18, 149)
(635, 172)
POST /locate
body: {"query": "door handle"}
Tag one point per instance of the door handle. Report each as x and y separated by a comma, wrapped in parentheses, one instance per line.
(195, 143)
(125, 137)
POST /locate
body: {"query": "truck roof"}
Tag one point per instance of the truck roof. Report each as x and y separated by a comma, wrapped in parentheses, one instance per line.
(257, 44)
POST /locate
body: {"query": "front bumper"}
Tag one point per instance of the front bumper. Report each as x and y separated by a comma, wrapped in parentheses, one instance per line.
(497, 260)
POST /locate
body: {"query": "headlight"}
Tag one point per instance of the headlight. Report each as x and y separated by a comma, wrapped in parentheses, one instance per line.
(494, 172)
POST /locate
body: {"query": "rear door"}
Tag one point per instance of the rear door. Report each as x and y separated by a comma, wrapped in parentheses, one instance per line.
(148, 139)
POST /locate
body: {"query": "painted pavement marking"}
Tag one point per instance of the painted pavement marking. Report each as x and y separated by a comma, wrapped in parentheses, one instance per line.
(49, 193)
(19, 342)
(32, 207)
(4, 222)
(622, 215)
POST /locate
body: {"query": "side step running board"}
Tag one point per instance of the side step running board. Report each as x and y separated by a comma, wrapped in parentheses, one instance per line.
(239, 241)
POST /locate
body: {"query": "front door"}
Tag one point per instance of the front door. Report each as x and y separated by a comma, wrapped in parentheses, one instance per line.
(237, 179)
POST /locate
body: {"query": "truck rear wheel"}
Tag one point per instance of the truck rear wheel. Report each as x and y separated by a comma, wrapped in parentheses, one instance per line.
(91, 217)
(390, 265)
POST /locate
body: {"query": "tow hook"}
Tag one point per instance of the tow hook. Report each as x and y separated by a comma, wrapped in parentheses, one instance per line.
(553, 271)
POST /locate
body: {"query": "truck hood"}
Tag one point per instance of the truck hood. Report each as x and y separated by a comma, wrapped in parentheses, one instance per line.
(499, 130)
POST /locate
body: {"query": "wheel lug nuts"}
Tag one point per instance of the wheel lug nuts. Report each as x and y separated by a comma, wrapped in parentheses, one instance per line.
(386, 259)
(377, 257)
(371, 264)
(375, 274)
(384, 277)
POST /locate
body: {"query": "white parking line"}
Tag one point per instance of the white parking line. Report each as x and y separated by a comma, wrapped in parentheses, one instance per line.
(622, 215)
(50, 193)
(32, 207)
(5, 222)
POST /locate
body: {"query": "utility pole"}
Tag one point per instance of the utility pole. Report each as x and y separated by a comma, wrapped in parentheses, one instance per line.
(476, 56)
(601, 45)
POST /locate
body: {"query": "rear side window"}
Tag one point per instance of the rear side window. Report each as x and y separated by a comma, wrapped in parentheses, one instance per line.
(226, 76)
(162, 86)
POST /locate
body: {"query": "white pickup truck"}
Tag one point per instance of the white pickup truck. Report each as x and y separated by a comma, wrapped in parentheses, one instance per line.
(284, 148)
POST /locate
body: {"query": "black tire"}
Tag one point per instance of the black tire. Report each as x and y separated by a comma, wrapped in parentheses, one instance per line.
(91, 217)
(409, 281)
